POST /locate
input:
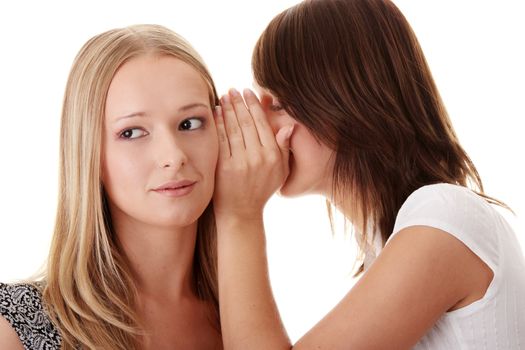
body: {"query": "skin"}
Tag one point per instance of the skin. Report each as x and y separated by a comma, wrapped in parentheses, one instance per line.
(159, 128)
(8, 337)
(168, 135)
(310, 161)
(263, 160)
(388, 308)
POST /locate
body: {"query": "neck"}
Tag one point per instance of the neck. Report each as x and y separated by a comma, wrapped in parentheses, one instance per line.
(160, 258)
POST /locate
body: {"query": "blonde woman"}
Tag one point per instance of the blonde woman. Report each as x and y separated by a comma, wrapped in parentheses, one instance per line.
(133, 260)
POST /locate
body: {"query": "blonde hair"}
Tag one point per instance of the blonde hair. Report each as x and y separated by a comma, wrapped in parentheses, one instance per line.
(89, 291)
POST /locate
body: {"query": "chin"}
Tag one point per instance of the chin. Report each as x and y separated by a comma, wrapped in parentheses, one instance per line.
(171, 223)
(178, 219)
(289, 190)
(300, 186)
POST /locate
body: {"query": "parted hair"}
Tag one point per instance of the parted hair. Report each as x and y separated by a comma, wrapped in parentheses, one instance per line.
(89, 290)
(353, 72)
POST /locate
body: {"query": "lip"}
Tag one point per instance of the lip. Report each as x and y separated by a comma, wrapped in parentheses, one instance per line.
(176, 188)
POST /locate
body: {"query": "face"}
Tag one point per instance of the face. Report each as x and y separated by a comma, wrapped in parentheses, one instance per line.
(160, 145)
(311, 161)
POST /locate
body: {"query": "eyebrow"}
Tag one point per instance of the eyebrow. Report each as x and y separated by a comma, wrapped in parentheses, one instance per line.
(182, 109)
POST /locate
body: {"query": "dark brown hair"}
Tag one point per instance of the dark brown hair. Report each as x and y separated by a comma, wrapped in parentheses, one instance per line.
(353, 72)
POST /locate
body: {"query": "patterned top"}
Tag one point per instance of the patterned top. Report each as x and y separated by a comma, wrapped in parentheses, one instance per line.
(21, 305)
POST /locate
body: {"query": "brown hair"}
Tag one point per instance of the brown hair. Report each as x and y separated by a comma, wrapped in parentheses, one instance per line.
(353, 72)
(89, 289)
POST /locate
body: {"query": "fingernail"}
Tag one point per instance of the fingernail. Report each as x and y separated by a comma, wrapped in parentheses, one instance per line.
(225, 99)
(218, 111)
(248, 93)
(234, 92)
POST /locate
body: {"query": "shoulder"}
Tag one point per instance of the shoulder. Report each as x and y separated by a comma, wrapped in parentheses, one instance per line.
(8, 337)
(19, 293)
(443, 201)
(420, 275)
(458, 211)
(20, 297)
(21, 306)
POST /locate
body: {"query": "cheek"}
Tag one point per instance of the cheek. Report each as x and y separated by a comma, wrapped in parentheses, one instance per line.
(120, 168)
(277, 120)
(209, 160)
(303, 143)
(309, 156)
(204, 153)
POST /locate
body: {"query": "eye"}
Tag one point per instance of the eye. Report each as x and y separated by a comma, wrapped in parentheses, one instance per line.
(191, 124)
(132, 133)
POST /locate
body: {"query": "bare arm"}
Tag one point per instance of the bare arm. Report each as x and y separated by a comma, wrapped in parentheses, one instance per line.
(8, 337)
(250, 169)
(249, 315)
(422, 273)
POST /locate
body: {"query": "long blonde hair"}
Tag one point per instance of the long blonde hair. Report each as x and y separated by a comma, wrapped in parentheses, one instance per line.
(89, 291)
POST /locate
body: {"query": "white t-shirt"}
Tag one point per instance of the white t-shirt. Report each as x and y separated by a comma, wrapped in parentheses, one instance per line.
(497, 321)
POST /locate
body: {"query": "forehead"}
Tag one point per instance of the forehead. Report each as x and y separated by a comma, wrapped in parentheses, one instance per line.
(154, 82)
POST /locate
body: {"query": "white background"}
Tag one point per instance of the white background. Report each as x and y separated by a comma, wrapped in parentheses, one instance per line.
(475, 49)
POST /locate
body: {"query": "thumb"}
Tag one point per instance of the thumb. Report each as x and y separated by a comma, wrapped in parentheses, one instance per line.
(283, 141)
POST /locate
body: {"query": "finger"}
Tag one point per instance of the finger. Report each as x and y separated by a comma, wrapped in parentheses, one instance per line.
(232, 127)
(264, 130)
(283, 141)
(246, 122)
(224, 144)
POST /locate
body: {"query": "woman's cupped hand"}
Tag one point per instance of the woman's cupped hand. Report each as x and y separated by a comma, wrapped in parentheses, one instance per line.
(253, 161)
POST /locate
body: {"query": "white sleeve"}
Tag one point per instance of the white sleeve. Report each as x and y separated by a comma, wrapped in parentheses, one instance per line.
(457, 211)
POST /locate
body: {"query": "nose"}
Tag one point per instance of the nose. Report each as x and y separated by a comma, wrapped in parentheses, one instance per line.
(170, 152)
